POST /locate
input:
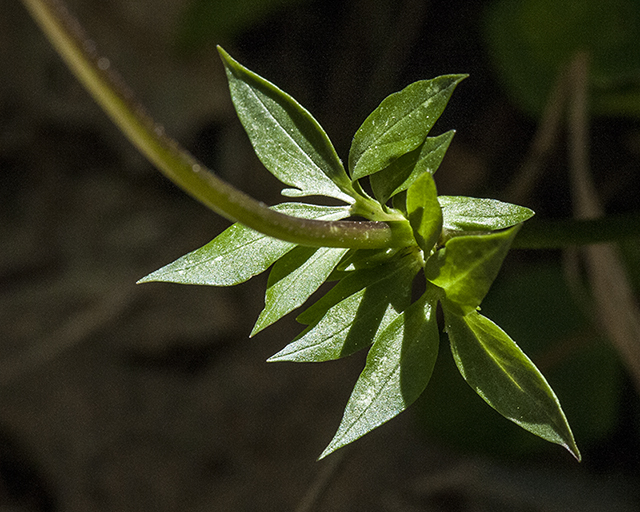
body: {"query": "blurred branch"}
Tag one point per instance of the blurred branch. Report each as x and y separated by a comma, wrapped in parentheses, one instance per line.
(543, 142)
(613, 302)
(557, 234)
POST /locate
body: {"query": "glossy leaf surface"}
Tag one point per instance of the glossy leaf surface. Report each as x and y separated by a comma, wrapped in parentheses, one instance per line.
(348, 317)
(239, 252)
(467, 266)
(495, 367)
(399, 366)
(399, 125)
(476, 214)
(423, 210)
(287, 139)
(402, 172)
(293, 278)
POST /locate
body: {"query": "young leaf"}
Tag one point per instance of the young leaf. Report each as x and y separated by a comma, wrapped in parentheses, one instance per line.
(467, 266)
(424, 213)
(294, 278)
(399, 366)
(348, 317)
(495, 367)
(474, 214)
(239, 252)
(401, 173)
(287, 139)
(400, 124)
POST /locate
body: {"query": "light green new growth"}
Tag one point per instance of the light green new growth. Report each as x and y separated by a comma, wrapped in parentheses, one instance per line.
(459, 242)
(455, 244)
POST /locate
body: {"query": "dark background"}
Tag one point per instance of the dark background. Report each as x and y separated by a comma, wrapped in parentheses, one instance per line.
(119, 397)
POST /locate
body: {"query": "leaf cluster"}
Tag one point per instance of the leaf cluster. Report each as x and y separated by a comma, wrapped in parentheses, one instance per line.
(459, 245)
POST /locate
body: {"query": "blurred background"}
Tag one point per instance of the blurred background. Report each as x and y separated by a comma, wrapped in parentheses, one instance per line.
(117, 397)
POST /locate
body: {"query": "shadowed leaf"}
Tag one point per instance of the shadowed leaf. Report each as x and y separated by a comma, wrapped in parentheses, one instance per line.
(399, 366)
(467, 266)
(293, 278)
(348, 317)
(401, 173)
(423, 210)
(495, 367)
(400, 124)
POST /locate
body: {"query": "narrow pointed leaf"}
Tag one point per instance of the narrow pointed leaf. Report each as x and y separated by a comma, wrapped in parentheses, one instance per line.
(399, 366)
(287, 139)
(467, 266)
(293, 278)
(399, 125)
(495, 367)
(424, 213)
(348, 317)
(401, 173)
(477, 214)
(238, 253)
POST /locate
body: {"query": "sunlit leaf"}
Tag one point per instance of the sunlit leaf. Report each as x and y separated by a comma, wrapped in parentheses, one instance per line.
(402, 172)
(475, 214)
(294, 278)
(399, 366)
(239, 252)
(348, 317)
(495, 367)
(467, 266)
(287, 139)
(399, 125)
(424, 213)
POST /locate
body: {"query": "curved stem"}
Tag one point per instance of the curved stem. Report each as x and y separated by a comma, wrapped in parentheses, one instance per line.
(110, 92)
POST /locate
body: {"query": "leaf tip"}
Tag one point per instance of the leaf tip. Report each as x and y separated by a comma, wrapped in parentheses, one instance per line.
(256, 328)
(146, 279)
(572, 448)
(328, 451)
(279, 357)
(222, 52)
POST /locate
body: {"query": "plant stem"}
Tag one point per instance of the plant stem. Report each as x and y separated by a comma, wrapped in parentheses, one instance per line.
(109, 91)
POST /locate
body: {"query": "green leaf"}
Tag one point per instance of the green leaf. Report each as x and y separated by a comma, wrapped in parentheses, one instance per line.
(424, 213)
(238, 253)
(400, 124)
(474, 214)
(287, 139)
(467, 266)
(402, 172)
(399, 366)
(294, 278)
(348, 317)
(495, 367)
